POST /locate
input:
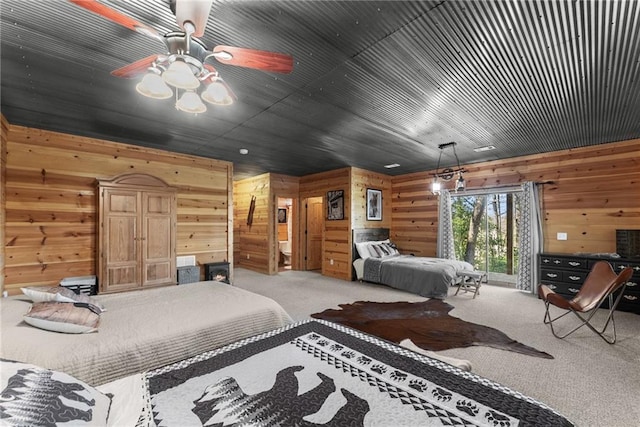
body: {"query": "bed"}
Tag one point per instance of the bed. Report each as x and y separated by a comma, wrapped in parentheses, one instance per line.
(376, 260)
(308, 373)
(141, 330)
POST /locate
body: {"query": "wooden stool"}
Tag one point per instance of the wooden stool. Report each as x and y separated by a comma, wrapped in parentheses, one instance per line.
(471, 279)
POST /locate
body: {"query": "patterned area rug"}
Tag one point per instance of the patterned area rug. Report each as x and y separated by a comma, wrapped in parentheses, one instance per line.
(428, 324)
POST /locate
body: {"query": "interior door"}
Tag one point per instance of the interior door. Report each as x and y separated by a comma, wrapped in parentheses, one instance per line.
(315, 224)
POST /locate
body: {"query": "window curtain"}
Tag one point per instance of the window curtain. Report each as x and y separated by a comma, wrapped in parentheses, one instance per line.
(530, 235)
(446, 248)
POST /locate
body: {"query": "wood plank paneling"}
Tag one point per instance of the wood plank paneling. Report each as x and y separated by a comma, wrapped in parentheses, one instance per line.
(252, 243)
(4, 130)
(50, 208)
(336, 247)
(593, 191)
(287, 187)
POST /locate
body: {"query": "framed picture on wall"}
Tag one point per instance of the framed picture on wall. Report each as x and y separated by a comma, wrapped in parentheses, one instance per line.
(335, 204)
(282, 216)
(374, 205)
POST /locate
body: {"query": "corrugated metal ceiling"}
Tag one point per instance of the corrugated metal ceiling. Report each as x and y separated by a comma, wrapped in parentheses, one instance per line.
(373, 82)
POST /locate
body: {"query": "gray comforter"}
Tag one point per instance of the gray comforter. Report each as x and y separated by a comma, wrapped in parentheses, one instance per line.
(428, 277)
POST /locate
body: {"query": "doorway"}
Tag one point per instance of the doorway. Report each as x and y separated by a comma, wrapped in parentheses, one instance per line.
(313, 227)
(485, 234)
(284, 232)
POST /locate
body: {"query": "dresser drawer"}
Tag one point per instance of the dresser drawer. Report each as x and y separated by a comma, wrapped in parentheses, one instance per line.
(633, 286)
(550, 261)
(619, 266)
(565, 289)
(574, 277)
(575, 263)
(551, 275)
(565, 263)
(630, 302)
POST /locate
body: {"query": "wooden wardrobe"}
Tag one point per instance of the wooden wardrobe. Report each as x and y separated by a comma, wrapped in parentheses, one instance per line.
(136, 233)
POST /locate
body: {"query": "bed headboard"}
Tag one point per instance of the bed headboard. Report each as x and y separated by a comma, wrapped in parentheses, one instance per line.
(367, 235)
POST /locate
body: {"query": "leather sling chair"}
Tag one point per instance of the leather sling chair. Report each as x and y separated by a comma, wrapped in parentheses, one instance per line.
(601, 285)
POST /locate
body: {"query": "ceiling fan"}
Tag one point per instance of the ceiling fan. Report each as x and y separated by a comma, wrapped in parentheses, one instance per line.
(184, 65)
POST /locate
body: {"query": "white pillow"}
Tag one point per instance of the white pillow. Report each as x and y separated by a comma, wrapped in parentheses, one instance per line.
(34, 396)
(65, 317)
(363, 250)
(363, 247)
(58, 293)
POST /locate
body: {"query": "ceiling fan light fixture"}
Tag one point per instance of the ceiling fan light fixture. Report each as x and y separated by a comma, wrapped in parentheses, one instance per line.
(180, 75)
(153, 86)
(217, 94)
(190, 102)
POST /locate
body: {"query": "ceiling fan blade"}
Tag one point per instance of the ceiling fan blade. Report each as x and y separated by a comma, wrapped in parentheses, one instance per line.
(135, 69)
(251, 58)
(194, 11)
(117, 17)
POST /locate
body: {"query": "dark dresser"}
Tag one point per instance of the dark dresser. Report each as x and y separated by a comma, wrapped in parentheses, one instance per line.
(565, 273)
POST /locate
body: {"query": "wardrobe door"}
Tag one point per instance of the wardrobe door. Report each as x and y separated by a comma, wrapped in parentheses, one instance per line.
(121, 267)
(137, 234)
(158, 235)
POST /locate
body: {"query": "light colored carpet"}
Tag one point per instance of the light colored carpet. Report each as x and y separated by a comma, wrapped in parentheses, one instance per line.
(589, 381)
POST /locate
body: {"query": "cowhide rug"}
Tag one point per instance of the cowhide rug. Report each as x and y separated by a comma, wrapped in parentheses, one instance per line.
(427, 324)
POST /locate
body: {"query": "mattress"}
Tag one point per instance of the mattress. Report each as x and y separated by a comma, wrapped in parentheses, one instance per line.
(141, 330)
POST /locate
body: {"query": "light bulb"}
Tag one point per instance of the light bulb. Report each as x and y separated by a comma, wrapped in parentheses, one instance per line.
(436, 186)
(217, 94)
(180, 75)
(460, 182)
(190, 102)
(153, 86)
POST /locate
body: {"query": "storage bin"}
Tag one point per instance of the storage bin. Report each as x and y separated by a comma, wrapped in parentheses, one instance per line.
(86, 285)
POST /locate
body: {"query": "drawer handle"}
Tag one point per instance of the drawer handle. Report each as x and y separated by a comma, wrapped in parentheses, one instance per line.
(574, 290)
(575, 278)
(552, 275)
(546, 261)
(631, 284)
(552, 287)
(636, 267)
(556, 261)
(574, 263)
(630, 297)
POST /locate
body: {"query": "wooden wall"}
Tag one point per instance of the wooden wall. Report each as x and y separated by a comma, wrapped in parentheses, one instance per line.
(252, 248)
(595, 191)
(414, 214)
(48, 203)
(288, 187)
(256, 245)
(337, 233)
(50, 230)
(4, 130)
(260, 240)
(361, 180)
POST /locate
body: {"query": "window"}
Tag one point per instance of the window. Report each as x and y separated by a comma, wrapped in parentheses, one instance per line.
(485, 233)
